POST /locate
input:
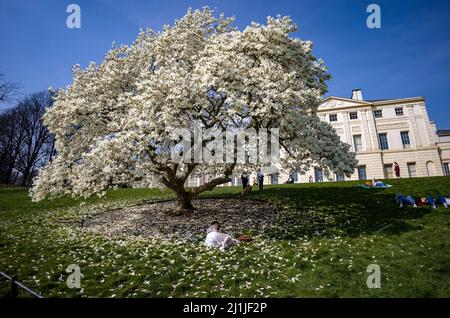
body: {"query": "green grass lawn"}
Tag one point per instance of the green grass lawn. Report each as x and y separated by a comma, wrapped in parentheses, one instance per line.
(325, 237)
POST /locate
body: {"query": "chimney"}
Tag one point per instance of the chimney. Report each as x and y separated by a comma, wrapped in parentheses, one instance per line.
(357, 94)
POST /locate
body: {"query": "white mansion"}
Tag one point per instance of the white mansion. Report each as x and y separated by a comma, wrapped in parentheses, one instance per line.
(385, 131)
(380, 132)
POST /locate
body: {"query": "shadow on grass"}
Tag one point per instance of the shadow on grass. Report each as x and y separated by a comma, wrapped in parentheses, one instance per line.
(338, 211)
(306, 210)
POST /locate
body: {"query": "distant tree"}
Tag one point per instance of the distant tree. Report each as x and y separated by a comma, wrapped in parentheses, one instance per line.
(37, 141)
(8, 89)
(25, 143)
(11, 139)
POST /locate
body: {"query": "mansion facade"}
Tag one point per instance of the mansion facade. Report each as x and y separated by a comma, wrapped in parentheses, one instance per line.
(380, 132)
(385, 131)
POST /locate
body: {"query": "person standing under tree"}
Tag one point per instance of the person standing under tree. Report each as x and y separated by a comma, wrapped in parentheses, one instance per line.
(396, 169)
(260, 180)
(244, 179)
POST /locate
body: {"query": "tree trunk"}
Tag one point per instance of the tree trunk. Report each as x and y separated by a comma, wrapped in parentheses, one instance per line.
(184, 199)
(25, 176)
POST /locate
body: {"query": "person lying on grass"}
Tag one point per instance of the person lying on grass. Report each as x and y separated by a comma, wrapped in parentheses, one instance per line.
(377, 183)
(401, 200)
(374, 183)
(429, 200)
(445, 201)
(215, 238)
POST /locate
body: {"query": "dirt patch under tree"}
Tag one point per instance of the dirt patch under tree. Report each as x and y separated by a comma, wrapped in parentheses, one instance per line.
(159, 220)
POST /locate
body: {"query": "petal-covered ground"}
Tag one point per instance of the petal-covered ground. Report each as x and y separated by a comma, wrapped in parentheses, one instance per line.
(321, 243)
(159, 220)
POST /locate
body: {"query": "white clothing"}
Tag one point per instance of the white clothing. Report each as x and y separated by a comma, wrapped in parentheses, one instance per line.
(214, 239)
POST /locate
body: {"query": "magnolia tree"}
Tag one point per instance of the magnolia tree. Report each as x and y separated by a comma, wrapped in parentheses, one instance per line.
(120, 121)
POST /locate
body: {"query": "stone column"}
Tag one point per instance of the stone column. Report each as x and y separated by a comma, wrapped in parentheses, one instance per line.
(369, 145)
(430, 132)
(346, 127)
(415, 130)
(372, 129)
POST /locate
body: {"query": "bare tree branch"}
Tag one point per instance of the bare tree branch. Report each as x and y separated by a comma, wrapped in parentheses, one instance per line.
(8, 90)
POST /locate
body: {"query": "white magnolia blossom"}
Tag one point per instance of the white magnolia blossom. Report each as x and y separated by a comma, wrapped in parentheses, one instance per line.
(113, 123)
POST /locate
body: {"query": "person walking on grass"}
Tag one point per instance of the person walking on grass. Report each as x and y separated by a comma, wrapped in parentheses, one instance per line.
(396, 169)
(260, 180)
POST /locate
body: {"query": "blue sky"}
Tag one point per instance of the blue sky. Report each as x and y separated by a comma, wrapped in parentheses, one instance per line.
(408, 56)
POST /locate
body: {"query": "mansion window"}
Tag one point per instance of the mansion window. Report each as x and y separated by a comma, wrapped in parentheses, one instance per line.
(193, 181)
(388, 171)
(236, 181)
(353, 115)
(274, 178)
(384, 145)
(405, 139)
(378, 113)
(399, 111)
(362, 173)
(340, 177)
(412, 169)
(357, 142)
(446, 169)
(294, 176)
(333, 117)
(318, 174)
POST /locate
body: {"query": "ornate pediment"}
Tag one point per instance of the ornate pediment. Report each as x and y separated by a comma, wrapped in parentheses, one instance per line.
(338, 102)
